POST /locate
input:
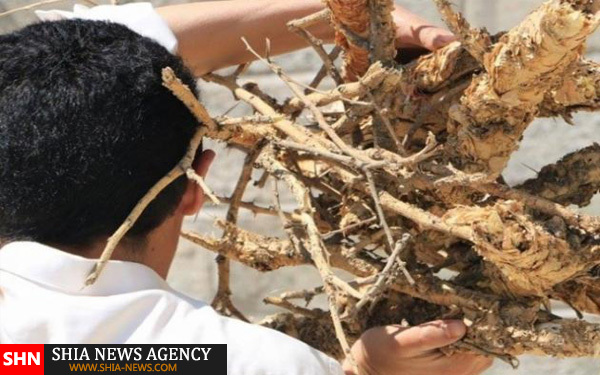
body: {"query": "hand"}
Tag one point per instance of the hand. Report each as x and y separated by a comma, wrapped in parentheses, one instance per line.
(396, 350)
(413, 31)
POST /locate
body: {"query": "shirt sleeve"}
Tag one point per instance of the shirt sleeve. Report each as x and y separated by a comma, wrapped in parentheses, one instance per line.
(139, 17)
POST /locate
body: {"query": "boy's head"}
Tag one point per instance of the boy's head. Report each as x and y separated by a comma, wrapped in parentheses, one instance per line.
(86, 129)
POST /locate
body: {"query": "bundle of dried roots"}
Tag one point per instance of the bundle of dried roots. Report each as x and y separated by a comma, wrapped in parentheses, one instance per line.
(406, 181)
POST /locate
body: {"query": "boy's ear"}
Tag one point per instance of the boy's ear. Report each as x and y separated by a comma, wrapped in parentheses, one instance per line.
(193, 198)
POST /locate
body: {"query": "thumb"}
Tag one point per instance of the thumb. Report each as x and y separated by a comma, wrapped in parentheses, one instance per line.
(429, 336)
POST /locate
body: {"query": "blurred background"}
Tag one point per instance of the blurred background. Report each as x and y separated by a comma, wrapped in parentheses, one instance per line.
(194, 270)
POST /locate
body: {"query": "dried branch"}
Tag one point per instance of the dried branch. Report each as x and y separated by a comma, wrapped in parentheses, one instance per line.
(477, 42)
(376, 290)
(317, 45)
(222, 300)
(310, 20)
(388, 232)
(515, 84)
(293, 308)
(192, 175)
(333, 55)
(351, 21)
(572, 180)
(270, 253)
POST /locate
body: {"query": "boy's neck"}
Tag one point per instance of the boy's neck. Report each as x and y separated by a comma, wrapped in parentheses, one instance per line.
(155, 251)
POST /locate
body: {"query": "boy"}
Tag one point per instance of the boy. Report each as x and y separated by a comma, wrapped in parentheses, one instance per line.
(86, 128)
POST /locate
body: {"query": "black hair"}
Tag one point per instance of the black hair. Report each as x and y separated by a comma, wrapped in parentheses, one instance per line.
(86, 129)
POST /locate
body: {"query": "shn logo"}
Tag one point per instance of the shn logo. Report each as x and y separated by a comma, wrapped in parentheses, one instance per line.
(21, 358)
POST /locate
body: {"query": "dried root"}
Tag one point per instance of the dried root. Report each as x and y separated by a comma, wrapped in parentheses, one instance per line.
(575, 179)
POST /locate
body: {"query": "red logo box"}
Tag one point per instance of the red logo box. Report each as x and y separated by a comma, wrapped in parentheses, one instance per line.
(21, 359)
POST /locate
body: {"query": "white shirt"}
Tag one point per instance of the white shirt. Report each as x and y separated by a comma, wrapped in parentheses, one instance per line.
(138, 17)
(42, 301)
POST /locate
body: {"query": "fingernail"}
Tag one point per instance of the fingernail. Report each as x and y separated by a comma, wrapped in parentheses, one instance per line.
(456, 328)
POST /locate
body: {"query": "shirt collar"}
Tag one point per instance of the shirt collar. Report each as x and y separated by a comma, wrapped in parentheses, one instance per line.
(67, 272)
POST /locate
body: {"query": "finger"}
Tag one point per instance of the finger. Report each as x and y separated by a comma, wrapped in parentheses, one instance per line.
(434, 38)
(429, 336)
(413, 30)
(426, 36)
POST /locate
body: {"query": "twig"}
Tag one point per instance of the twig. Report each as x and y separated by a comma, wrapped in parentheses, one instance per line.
(250, 206)
(294, 131)
(373, 293)
(240, 188)
(587, 222)
(388, 125)
(322, 73)
(241, 69)
(317, 45)
(388, 232)
(287, 226)
(343, 159)
(311, 19)
(314, 243)
(309, 294)
(183, 93)
(306, 295)
(350, 227)
(192, 175)
(259, 252)
(114, 240)
(372, 79)
(222, 300)
(283, 303)
(265, 253)
(254, 120)
(262, 181)
(314, 110)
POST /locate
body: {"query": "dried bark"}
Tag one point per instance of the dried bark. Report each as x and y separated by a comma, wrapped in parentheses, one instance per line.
(522, 66)
(574, 179)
